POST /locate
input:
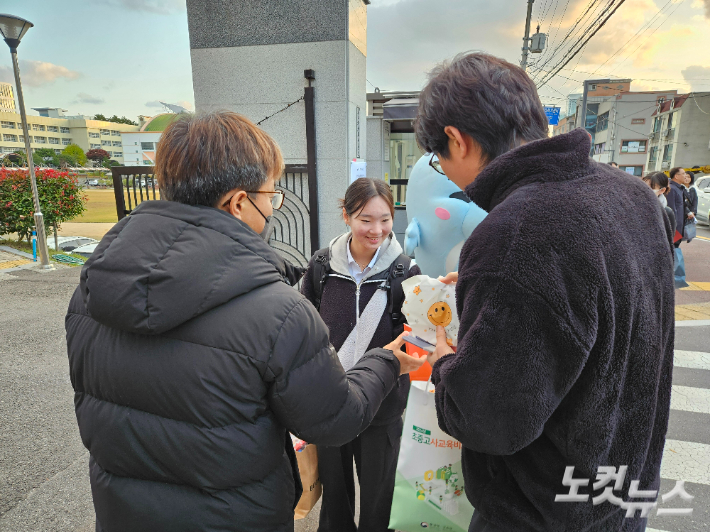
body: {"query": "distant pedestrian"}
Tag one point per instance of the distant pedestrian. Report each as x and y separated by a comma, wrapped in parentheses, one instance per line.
(565, 346)
(692, 194)
(360, 299)
(659, 183)
(192, 358)
(676, 199)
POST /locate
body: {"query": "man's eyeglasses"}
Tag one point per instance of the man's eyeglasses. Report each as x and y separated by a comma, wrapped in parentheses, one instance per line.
(435, 164)
(277, 200)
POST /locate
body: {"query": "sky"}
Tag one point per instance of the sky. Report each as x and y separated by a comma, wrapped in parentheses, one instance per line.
(122, 56)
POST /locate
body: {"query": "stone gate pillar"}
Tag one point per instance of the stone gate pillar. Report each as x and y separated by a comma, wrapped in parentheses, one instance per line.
(249, 56)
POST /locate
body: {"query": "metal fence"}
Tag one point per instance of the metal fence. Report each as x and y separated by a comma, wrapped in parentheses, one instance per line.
(131, 186)
(291, 235)
(291, 225)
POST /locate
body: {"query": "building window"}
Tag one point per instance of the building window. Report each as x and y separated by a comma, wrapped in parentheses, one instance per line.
(53, 129)
(116, 143)
(105, 142)
(638, 120)
(599, 148)
(633, 146)
(57, 151)
(633, 170)
(667, 152)
(9, 150)
(94, 135)
(115, 133)
(66, 142)
(94, 146)
(118, 154)
(105, 132)
(64, 130)
(657, 124)
(22, 138)
(593, 87)
(9, 138)
(41, 140)
(147, 163)
(603, 121)
(37, 127)
(53, 140)
(7, 125)
(147, 146)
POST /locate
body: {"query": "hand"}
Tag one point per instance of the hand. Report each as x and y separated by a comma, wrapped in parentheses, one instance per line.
(442, 348)
(691, 215)
(407, 363)
(452, 277)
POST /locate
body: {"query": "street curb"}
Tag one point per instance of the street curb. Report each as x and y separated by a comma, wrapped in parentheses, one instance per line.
(17, 252)
(692, 323)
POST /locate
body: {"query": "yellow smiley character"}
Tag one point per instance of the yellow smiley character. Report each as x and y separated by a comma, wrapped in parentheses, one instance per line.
(440, 314)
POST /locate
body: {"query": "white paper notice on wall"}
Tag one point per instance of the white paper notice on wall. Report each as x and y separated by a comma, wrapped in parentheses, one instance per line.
(358, 169)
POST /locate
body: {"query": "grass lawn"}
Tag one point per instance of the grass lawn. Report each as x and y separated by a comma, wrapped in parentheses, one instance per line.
(101, 205)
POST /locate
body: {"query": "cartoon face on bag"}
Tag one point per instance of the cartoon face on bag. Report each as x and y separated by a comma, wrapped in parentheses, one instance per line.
(440, 314)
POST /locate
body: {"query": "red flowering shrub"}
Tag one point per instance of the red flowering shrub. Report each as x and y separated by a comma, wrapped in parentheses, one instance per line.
(60, 199)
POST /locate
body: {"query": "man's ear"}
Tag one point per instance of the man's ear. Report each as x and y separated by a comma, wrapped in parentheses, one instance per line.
(234, 207)
(459, 143)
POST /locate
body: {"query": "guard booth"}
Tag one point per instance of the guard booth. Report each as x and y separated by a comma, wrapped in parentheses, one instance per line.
(392, 150)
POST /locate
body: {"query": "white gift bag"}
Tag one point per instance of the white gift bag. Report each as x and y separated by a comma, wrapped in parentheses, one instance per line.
(427, 303)
(429, 488)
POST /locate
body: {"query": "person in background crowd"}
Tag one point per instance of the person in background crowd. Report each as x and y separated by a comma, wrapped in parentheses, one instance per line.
(354, 303)
(613, 164)
(676, 199)
(192, 358)
(692, 194)
(659, 183)
(555, 364)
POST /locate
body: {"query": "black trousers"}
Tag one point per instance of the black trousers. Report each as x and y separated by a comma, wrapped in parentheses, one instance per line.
(375, 453)
(479, 524)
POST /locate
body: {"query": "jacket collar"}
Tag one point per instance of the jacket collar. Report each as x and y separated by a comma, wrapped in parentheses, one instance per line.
(388, 252)
(553, 159)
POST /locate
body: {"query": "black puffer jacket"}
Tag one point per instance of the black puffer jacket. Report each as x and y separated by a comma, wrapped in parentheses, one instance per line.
(191, 358)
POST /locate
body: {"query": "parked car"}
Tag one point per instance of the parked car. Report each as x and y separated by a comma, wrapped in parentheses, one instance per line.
(93, 182)
(702, 187)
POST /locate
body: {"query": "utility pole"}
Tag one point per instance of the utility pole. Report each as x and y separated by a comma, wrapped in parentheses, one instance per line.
(526, 39)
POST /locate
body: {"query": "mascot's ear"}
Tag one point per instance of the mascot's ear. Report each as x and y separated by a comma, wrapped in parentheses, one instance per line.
(474, 216)
(411, 237)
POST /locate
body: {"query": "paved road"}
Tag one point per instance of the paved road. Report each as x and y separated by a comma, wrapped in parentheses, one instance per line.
(43, 466)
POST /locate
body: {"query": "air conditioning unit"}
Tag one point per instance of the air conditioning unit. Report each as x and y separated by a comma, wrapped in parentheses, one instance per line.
(665, 165)
(664, 133)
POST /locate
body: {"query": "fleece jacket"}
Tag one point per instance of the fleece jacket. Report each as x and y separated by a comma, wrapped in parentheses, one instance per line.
(565, 348)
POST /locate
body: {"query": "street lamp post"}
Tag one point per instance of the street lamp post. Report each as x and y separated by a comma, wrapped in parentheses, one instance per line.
(13, 29)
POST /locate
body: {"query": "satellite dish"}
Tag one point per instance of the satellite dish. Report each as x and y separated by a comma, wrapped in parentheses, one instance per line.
(175, 108)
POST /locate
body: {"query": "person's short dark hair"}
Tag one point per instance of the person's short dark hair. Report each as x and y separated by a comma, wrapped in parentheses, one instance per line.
(363, 190)
(674, 171)
(613, 163)
(691, 175)
(485, 97)
(657, 180)
(202, 157)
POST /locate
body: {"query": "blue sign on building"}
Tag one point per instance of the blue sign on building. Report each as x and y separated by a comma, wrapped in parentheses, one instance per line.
(553, 114)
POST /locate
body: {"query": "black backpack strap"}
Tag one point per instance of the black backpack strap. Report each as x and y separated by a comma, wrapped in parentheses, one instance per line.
(395, 293)
(321, 270)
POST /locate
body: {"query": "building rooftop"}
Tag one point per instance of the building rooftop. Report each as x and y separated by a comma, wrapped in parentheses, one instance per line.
(678, 101)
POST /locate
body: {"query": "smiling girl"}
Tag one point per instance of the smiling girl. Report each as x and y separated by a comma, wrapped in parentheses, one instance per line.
(354, 302)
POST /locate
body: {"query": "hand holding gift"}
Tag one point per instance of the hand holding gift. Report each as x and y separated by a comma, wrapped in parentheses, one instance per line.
(430, 303)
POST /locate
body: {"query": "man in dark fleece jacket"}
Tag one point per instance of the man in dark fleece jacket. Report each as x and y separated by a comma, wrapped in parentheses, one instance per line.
(565, 348)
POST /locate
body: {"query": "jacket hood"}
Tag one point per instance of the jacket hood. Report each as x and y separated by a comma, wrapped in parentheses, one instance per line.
(168, 262)
(559, 158)
(389, 251)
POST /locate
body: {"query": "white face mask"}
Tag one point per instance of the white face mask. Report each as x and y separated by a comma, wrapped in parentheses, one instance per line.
(662, 199)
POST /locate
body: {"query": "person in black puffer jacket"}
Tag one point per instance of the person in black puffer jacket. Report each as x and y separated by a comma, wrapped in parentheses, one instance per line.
(354, 303)
(192, 358)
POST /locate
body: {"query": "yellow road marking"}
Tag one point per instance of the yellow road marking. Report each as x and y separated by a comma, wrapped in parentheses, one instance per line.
(703, 238)
(13, 263)
(697, 286)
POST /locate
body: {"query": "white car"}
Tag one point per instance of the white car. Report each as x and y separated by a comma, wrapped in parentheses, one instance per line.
(702, 187)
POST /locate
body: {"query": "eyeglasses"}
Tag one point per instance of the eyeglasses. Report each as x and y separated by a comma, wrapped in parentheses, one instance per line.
(277, 200)
(435, 164)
